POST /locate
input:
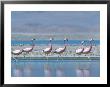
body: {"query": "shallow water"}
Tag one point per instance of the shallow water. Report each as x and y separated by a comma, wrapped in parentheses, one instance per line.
(58, 42)
(54, 68)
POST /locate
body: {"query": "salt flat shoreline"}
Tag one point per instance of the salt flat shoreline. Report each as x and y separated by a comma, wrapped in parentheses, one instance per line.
(37, 53)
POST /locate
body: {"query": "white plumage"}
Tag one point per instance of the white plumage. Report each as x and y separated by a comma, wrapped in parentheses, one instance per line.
(26, 49)
(29, 49)
(16, 51)
(86, 49)
(89, 48)
(59, 49)
(46, 49)
(79, 50)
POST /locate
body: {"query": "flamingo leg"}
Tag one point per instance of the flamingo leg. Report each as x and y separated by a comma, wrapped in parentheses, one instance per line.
(14, 58)
(24, 55)
(57, 57)
(61, 57)
(47, 57)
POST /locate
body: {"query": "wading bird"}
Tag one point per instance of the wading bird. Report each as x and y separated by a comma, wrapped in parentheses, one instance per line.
(88, 49)
(48, 50)
(29, 49)
(81, 49)
(61, 50)
(17, 52)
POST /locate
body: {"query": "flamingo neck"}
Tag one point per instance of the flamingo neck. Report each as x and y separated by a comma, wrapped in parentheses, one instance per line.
(33, 44)
(82, 45)
(50, 44)
(65, 45)
(90, 45)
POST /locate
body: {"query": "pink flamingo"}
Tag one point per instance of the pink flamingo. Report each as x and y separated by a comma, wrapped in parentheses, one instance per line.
(29, 49)
(17, 52)
(81, 49)
(48, 50)
(61, 50)
(88, 49)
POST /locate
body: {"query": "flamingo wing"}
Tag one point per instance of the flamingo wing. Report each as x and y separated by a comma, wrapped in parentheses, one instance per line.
(27, 49)
(79, 50)
(46, 49)
(59, 49)
(86, 49)
(16, 51)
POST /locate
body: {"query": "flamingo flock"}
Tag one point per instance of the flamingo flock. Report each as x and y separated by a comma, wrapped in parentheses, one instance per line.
(85, 50)
(26, 50)
(46, 51)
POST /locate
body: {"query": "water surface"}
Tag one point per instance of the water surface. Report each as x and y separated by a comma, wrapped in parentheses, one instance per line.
(54, 68)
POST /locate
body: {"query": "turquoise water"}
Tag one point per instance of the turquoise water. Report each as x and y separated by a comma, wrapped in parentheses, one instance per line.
(58, 42)
(54, 68)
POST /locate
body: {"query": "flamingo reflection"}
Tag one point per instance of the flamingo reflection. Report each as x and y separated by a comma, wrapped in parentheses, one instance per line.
(83, 70)
(60, 71)
(28, 69)
(17, 72)
(47, 70)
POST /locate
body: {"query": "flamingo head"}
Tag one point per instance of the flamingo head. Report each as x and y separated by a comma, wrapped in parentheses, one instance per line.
(21, 45)
(82, 42)
(33, 39)
(91, 39)
(33, 44)
(65, 39)
(51, 39)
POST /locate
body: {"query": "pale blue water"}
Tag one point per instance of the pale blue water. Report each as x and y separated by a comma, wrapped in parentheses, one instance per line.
(54, 68)
(58, 42)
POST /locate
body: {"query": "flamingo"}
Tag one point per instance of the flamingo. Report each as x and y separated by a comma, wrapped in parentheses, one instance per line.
(17, 52)
(48, 49)
(61, 50)
(81, 49)
(29, 49)
(88, 49)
